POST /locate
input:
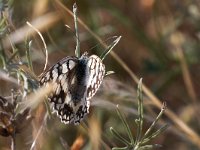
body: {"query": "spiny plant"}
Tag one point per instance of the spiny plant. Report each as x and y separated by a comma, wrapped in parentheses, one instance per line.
(140, 141)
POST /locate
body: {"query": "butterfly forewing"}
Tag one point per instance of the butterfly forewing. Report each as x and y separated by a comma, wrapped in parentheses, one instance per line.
(72, 76)
(62, 67)
(59, 74)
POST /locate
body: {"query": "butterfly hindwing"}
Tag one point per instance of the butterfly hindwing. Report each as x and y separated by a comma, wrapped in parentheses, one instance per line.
(59, 75)
(96, 75)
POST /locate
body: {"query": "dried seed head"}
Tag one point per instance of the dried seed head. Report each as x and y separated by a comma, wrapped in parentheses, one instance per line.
(10, 122)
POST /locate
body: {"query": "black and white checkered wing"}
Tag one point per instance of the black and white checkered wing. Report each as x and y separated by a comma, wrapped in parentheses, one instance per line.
(96, 75)
(75, 81)
(60, 75)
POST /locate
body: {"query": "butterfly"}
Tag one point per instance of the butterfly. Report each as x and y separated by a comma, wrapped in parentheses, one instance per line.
(75, 81)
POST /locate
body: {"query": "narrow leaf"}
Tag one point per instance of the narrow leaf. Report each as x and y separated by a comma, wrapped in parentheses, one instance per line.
(125, 125)
(110, 47)
(155, 134)
(139, 121)
(156, 120)
(118, 136)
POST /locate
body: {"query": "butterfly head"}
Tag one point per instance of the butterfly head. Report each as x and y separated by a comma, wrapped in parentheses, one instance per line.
(84, 55)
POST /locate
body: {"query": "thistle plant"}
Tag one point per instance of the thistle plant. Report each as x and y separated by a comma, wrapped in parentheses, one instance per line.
(140, 141)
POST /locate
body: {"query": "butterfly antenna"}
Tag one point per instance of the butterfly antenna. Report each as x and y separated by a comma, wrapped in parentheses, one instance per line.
(77, 51)
(113, 37)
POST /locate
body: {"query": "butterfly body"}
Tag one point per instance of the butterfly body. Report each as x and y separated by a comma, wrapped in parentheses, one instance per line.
(75, 81)
(79, 82)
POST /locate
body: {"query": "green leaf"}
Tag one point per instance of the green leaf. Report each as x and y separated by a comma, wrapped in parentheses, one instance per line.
(156, 120)
(125, 125)
(110, 47)
(118, 136)
(155, 134)
(140, 119)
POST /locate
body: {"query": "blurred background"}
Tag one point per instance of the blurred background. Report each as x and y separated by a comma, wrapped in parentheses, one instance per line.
(160, 43)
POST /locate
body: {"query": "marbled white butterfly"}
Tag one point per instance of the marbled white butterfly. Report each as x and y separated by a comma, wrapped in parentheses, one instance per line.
(75, 81)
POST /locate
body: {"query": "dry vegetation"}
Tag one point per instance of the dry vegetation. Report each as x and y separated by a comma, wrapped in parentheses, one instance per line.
(160, 43)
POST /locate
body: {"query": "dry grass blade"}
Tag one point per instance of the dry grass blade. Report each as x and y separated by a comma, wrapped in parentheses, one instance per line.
(186, 75)
(4, 76)
(64, 143)
(189, 132)
(94, 133)
(78, 143)
(34, 99)
(20, 34)
(177, 41)
(39, 7)
(37, 135)
(45, 46)
(13, 144)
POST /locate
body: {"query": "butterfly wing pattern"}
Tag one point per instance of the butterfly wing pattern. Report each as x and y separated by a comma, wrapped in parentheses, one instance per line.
(75, 82)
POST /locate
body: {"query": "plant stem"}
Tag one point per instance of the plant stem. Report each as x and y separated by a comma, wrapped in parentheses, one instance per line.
(13, 142)
(77, 51)
(140, 112)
